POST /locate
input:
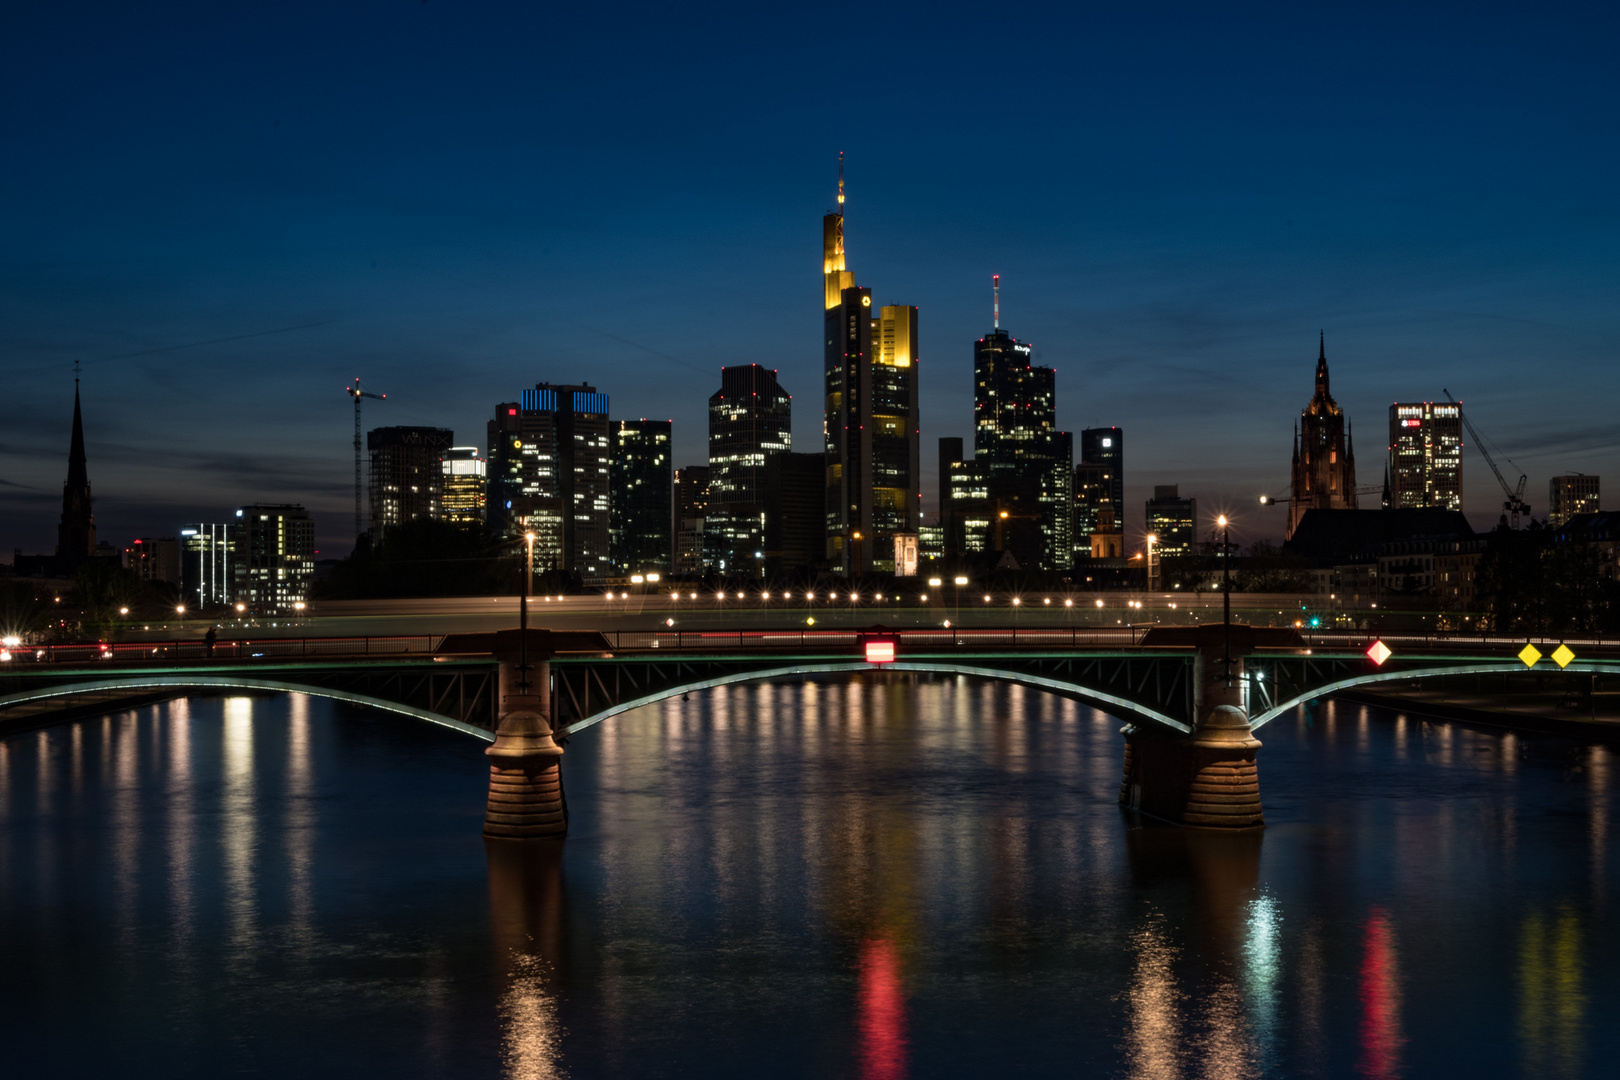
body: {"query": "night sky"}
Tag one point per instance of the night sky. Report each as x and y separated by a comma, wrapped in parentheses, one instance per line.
(227, 211)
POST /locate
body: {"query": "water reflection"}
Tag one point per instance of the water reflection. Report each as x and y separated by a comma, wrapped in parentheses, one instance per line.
(1552, 998)
(882, 1012)
(239, 826)
(1380, 992)
(527, 927)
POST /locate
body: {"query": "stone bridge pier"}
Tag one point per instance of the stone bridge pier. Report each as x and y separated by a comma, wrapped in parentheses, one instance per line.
(1209, 778)
(525, 764)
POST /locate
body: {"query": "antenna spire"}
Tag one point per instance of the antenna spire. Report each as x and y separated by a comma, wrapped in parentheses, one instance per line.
(995, 304)
(840, 181)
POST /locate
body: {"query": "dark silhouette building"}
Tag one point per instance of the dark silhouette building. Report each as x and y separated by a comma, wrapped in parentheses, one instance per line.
(795, 540)
(1324, 470)
(1099, 494)
(691, 510)
(640, 495)
(76, 530)
(407, 477)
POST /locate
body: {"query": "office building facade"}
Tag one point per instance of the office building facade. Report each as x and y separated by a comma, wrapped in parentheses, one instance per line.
(208, 564)
(406, 475)
(549, 473)
(795, 543)
(1425, 456)
(275, 557)
(1324, 466)
(691, 498)
(640, 496)
(750, 422)
(1570, 495)
(1172, 521)
(463, 477)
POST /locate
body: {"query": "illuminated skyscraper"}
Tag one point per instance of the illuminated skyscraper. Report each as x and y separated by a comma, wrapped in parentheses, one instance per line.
(548, 472)
(873, 483)
(208, 564)
(750, 422)
(1324, 468)
(1425, 456)
(1172, 521)
(691, 510)
(406, 476)
(641, 478)
(1026, 461)
(462, 474)
(1099, 494)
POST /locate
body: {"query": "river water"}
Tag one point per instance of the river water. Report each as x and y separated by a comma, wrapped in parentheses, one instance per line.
(880, 878)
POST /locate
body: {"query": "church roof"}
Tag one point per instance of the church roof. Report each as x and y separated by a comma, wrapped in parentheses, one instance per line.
(1342, 534)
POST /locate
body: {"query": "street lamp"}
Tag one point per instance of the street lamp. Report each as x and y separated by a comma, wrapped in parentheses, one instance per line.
(1151, 576)
(1226, 593)
(523, 614)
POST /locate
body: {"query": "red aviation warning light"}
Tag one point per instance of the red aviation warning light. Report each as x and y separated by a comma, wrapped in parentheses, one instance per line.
(1378, 652)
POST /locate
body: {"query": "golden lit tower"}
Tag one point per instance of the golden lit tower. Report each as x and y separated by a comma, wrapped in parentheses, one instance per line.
(874, 486)
(838, 277)
(1324, 458)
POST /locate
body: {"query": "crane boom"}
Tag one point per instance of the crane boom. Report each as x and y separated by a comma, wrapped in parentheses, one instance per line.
(1513, 504)
(357, 394)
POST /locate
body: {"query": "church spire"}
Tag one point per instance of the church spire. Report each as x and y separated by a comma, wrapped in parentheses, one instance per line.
(76, 535)
(1321, 367)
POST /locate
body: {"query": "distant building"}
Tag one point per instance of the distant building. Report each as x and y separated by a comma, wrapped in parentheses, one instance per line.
(750, 422)
(406, 477)
(794, 538)
(1425, 456)
(463, 475)
(1570, 495)
(1172, 521)
(275, 557)
(965, 489)
(691, 510)
(640, 496)
(1324, 468)
(873, 481)
(208, 563)
(154, 558)
(1105, 448)
(1332, 536)
(549, 473)
(1027, 463)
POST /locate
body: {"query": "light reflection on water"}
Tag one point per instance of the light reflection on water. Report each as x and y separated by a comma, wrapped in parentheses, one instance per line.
(890, 877)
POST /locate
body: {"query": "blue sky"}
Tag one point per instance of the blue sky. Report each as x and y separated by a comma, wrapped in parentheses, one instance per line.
(225, 212)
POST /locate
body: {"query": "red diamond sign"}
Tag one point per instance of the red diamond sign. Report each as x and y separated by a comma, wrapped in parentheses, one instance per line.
(1378, 653)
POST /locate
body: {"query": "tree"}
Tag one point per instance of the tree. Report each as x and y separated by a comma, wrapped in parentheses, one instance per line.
(424, 557)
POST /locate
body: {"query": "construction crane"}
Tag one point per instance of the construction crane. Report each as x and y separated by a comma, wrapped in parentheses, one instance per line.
(357, 393)
(1514, 504)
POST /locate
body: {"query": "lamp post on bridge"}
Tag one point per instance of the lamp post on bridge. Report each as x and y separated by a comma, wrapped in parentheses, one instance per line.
(1226, 594)
(523, 614)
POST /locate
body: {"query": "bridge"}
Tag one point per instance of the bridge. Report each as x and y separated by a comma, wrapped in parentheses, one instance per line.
(1190, 716)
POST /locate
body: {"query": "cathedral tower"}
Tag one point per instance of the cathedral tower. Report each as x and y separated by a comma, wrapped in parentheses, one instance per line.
(1324, 458)
(76, 535)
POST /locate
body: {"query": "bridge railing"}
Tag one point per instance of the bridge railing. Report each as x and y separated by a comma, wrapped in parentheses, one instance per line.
(806, 638)
(135, 652)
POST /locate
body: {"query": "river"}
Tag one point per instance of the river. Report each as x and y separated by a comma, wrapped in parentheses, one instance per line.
(876, 878)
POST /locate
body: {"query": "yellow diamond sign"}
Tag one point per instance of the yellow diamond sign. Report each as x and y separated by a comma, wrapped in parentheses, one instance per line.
(1563, 656)
(1529, 654)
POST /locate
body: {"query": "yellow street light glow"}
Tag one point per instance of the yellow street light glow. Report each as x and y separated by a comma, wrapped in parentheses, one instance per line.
(961, 581)
(1016, 601)
(1004, 513)
(1047, 600)
(934, 583)
(987, 598)
(923, 599)
(1068, 603)
(123, 611)
(652, 578)
(1099, 603)
(636, 579)
(241, 607)
(181, 610)
(1221, 521)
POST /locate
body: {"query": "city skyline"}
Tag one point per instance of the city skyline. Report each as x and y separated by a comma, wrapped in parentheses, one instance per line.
(1175, 290)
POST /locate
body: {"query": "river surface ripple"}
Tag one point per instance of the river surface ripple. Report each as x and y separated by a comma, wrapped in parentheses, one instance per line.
(878, 878)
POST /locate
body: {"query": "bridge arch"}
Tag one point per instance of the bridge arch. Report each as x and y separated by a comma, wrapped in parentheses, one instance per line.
(1130, 711)
(1492, 668)
(237, 682)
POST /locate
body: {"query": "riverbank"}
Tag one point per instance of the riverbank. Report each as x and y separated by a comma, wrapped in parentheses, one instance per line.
(1589, 717)
(29, 715)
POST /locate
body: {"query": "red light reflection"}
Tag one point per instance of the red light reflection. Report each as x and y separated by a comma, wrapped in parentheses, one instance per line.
(1380, 1001)
(882, 1012)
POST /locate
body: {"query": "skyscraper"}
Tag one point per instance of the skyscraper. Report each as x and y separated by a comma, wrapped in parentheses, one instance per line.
(750, 422)
(794, 540)
(208, 563)
(407, 480)
(463, 475)
(873, 469)
(1105, 448)
(275, 557)
(1425, 456)
(1026, 461)
(549, 473)
(1324, 468)
(691, 510)
(640, 495)
(1570, 495)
